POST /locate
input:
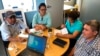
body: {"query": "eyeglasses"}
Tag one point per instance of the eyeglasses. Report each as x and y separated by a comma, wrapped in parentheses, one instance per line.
(43, 9)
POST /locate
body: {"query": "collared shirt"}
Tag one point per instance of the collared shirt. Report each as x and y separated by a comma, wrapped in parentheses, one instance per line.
(76, 26)
(45, 20)
(8, 30)
(84, 48)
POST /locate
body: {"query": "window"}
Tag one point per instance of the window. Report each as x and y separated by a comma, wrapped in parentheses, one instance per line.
(66, 0)
(26, 5)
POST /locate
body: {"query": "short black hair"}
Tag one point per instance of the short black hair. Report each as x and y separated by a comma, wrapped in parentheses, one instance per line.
(74, 14)
(42, 4)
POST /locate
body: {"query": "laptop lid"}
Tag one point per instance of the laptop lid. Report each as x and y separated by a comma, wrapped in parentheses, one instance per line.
(37, 43)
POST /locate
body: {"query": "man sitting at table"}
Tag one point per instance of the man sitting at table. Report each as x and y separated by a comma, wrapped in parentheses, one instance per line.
(89, 42)
(42, 19)
(11, 27)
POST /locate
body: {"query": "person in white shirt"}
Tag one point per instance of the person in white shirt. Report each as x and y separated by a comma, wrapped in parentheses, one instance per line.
(11, 27)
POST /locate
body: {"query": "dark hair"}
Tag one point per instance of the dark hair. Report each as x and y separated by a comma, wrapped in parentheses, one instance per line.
(95, 25)
(42, 4)
(74, 14)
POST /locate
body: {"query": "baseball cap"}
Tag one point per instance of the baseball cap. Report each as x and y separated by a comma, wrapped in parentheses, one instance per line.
(10, 14)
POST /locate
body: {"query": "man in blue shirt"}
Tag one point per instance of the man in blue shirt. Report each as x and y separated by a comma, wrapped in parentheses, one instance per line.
(42, 19)
(11, 27)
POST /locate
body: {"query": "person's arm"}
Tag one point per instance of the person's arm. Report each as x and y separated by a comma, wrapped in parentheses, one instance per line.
(63, 26)
(6, 35)
(14, 39)
(48, 21)
(71, 36)
(22, 26)
(77, 31)
(34, 20)
(4, 31)
(76, 46)
(72, 52)
(42, 27)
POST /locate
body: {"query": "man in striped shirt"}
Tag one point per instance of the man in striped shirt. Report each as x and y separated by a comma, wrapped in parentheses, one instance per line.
(89, 42)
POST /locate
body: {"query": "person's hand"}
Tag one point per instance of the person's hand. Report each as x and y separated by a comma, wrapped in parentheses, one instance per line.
(42, 27)
(14, 39)
(21, 39)
(58, 34)
(63, 26)
(27, 30)
(37, 27)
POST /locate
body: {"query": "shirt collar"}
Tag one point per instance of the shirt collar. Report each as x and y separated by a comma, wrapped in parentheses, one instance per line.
(94, 40)
(40, 15)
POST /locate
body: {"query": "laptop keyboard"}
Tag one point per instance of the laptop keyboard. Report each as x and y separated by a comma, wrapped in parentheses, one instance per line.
(28, 52)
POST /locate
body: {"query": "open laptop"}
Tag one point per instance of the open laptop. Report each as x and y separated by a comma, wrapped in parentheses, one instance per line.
(35, 46)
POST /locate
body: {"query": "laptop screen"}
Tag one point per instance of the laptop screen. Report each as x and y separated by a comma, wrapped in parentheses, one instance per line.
(36, 43)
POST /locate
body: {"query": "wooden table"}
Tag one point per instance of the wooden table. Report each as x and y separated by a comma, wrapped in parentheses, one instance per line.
(51, 49)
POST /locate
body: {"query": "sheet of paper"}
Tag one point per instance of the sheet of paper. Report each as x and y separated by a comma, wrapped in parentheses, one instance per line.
(36, 32)
(23, 35)
(32, 30)
(64, 31)
(10, 48)
(57, 31)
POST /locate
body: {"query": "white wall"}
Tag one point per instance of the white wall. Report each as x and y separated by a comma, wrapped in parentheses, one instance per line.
(78, 2)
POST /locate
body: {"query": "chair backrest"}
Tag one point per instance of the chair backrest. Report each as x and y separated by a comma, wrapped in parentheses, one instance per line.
(29, 18)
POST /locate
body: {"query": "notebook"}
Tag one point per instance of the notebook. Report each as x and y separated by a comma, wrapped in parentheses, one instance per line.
(35, 46)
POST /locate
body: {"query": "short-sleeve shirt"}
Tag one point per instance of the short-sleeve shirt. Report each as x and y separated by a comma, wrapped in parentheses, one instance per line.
(8, 30)
(76, 26)
(84, 48)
